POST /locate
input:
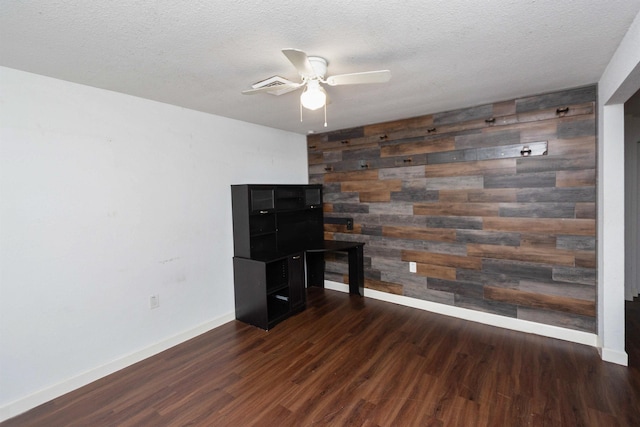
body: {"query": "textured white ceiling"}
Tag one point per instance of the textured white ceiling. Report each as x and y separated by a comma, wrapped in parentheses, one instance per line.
(200, 54)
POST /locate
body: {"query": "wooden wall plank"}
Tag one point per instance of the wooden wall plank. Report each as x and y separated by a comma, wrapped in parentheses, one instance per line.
(440, 259)
(493, 195)
(457, 222)
(404, 277)
(375, 196)
(400, 220)
(367, 175)
(314, 140)
(379, 285)
(571, 290)
(586, 259)
(445, 248)
(578, 243)
(420, 233)
(371, 230)
(437, 271)
(530, 299)
(332, 156)
(454, 183)
(350, 208)
(456, 209)
(537, 210)
(572, 146)
(422, 292)
(586, 276)
(521, 180)
(368, 186)
(405, 172)
(463, 115)
(538, 131)
(391, 208)
(522, 253)
(556, 195)
(399, 125)
(538, 240)
(315, 158)
(422, 145)
(518, 270)
(578, 227)
(410, 194)
(343, 134)
(488, 237)
(483, 167)
(556, 99)
(318, 169)
(315, 178)
(487, 278)
(573, 128)
(581, 109)
(555, 163)
(346, 197)
(361, 153)
(487, 138)
(454, 156)
(451, 196)
(455, 287)
(586, 210)
(506, 108)
(576, 178)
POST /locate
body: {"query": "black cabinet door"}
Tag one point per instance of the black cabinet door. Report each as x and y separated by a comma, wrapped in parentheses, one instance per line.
(250, 291)
(262, 200)
(313, 197)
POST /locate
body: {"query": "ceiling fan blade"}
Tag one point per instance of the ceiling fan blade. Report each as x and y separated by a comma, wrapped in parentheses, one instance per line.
(380, 76)
(300, 60)
(273, 88)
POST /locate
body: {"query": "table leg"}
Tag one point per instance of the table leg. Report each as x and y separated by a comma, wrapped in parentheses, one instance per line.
(356, 271)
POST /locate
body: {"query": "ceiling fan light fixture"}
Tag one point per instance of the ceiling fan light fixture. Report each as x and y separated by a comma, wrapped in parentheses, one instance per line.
(312, 71)
(314, 96)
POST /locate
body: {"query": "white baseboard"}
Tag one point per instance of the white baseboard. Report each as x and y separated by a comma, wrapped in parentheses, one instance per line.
(614, 356)
(476, 316)
(19, 406)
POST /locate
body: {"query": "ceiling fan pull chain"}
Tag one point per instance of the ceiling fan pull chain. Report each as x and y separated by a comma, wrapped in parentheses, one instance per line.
(325, 115)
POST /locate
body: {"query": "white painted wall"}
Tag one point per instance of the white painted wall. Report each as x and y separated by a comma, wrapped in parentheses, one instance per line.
(106, 199)
(632, 202)
(618, 83)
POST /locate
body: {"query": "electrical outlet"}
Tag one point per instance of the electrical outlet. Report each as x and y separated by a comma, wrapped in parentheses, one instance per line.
(154, 301)
(413, 267)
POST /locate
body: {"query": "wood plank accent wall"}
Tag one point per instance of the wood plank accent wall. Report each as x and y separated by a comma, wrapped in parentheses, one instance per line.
(513, 236)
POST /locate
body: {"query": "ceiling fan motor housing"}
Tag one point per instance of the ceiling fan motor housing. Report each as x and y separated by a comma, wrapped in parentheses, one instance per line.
(319, 65)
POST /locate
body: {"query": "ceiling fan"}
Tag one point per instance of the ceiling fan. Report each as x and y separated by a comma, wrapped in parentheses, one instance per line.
(312, 70)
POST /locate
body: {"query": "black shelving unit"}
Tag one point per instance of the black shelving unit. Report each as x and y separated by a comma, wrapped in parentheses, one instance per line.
(272, 227)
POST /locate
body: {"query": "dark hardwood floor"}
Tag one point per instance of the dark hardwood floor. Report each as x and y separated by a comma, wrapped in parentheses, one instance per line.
(349, 361)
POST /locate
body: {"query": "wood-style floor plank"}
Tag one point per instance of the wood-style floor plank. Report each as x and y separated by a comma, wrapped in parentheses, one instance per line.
(351, 361)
